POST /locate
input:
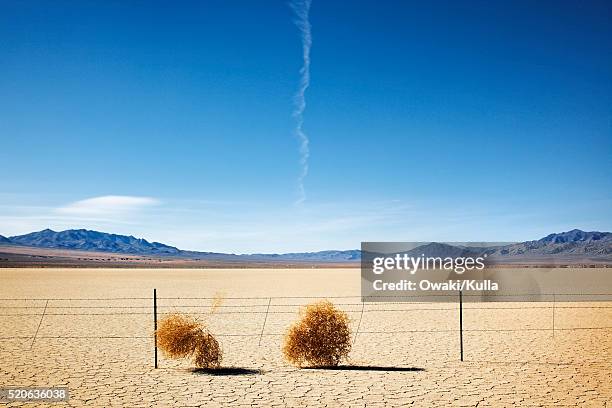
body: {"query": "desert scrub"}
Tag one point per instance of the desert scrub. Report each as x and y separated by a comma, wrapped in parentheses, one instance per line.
(181, 336)
(321, 336)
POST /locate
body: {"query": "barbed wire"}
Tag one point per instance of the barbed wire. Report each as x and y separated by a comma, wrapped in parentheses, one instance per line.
(374, 307)
(318, 297)
(264, 306)
(291, 312)
(282, 334)
(47, 309)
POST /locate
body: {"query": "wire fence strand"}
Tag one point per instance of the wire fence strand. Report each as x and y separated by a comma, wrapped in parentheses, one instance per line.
(273, 306)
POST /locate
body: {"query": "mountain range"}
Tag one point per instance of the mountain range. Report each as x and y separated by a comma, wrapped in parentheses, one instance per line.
(86, 240)
(93, 241)
(575, 244)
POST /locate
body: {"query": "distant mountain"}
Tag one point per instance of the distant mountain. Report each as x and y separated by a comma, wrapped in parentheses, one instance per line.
(352, 255)
(82, 239)
(443, 250)
(577, 235)
(572, 243)
(93, 241)
(575, 244)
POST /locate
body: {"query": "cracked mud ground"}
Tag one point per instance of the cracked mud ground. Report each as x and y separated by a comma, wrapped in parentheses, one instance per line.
(517, 364)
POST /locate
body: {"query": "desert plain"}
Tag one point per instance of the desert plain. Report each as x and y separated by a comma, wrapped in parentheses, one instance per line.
(91, 330)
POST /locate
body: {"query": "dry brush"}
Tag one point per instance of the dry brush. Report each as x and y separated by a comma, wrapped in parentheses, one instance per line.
(321, 337)
(181, 336)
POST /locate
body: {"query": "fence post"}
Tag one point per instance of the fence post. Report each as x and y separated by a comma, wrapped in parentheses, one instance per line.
(155, 322)
(39, 323)
(461, 323)
(359, 324)
(263, 327)
(554, 307)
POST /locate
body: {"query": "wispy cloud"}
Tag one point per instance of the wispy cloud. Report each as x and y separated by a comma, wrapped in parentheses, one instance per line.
(107, 206)
(239, 227)
(302, 10)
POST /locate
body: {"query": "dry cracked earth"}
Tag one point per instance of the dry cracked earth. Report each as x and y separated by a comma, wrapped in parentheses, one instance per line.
(403, 355)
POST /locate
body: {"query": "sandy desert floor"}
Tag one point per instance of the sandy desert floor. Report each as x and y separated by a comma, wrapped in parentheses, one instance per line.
(404, 354)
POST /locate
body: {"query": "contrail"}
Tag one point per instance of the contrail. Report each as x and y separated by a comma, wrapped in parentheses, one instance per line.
(302, 9)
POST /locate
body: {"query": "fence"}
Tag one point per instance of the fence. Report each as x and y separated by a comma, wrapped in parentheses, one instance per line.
(248, 307)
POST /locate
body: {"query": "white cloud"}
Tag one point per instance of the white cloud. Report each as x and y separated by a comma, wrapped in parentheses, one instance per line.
(302, 9)
(247, 227)
(107, 206)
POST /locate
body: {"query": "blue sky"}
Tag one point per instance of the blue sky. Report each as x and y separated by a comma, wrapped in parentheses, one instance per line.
(488, 121)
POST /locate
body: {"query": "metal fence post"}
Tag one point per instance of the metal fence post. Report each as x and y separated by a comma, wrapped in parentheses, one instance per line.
(263, 327)
(461, 323)
(359, 324)
(553, 313)
(155, 322)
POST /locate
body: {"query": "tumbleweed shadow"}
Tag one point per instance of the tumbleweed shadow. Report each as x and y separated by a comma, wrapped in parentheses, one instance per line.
(365, 368)
(227, 371)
